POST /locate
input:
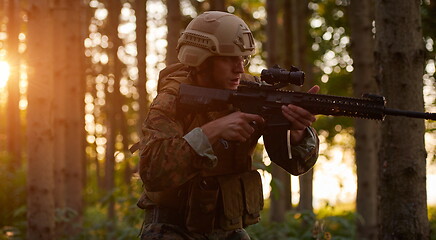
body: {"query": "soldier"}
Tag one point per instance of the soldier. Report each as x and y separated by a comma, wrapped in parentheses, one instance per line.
(196, 167)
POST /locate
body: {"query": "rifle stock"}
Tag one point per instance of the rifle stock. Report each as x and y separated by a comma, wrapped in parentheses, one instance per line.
(267, 102)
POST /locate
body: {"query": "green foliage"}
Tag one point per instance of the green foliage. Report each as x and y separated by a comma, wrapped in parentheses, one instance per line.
(428, 11)
(12, 199)
(128, 219)
(95, 221)
(432, 220)
(330, 56)
(328, 223)
(127, 222)
(306, 225)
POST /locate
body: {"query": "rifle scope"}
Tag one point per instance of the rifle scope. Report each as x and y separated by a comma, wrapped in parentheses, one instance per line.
(277, 74)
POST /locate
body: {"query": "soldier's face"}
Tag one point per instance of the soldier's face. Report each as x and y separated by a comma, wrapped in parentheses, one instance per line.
(226, 72)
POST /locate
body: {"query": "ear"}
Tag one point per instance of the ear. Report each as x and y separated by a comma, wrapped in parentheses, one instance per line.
(204, 69)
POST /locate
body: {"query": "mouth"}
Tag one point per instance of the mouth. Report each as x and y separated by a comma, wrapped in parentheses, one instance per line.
(234, 83)
(235, 80)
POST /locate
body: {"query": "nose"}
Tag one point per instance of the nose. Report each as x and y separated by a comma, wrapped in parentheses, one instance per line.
(238, 66)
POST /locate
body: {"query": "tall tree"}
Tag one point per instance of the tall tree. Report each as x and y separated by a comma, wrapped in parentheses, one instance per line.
(74, 134)
(113, 100)
(361, 16)
(13, 111)
(288, 61)
(141, 45)
(280, 197)
(60, 74)
(297, 52)
(174, 20)
(399, 58)
(68, 109)
(40, 179)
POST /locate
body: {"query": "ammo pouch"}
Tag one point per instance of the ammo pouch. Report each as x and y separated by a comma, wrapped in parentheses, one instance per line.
(224, 202)
(240, 207)
(202, 204)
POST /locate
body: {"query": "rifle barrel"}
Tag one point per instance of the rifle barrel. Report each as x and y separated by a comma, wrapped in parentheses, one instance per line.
(398, 112)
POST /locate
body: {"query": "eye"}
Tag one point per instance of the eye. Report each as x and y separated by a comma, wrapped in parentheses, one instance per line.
(246, 60)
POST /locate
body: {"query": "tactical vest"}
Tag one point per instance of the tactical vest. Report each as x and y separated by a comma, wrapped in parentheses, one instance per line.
(228, 196)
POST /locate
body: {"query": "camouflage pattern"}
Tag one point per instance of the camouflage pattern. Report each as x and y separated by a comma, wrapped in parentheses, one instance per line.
(308, 153)
(303, 157)
(161, 231)
(167, 161)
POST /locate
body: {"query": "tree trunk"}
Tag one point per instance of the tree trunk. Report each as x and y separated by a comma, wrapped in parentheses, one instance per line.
(40, 179)
(60, 72)
(366, 131)
(68, 117)
(113, 104)
(299, 15)
(13, 111)
(217, 5)
(141, 46)
(402, 163)
(141, 43)
(280, 194)
(280, 202)
(306, 191)
(287, 59)
(174, 20)
(74, 135)
(271, 33)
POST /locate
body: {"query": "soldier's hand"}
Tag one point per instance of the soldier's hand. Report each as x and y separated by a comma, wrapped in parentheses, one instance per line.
(236, 126)
(299, 117)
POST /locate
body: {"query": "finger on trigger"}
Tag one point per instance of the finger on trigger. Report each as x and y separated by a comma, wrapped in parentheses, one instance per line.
(254, 117)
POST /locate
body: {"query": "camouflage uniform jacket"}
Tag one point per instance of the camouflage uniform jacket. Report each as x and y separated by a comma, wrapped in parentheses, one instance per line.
(167, 160)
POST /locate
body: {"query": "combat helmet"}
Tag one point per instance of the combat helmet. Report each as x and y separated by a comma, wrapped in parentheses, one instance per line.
(214, 33)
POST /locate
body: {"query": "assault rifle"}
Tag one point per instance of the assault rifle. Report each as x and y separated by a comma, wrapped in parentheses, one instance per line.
(266, 100)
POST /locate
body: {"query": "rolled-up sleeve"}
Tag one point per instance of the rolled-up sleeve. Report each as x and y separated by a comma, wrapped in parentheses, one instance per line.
(295, 159)
(307, 150)
(201, 145)
(167, 156)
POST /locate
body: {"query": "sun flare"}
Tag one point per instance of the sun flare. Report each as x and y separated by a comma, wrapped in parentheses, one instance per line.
(4, 73)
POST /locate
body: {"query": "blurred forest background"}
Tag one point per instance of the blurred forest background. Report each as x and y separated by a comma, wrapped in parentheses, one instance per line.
(76, 79)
